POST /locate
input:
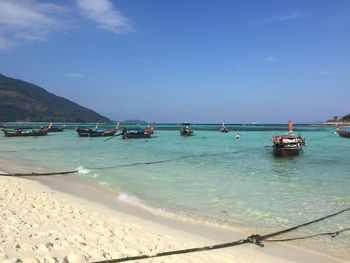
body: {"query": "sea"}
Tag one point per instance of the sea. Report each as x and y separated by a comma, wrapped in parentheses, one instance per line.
(212, 177)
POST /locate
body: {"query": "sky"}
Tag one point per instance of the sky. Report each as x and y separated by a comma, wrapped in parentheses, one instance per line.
(202, 61)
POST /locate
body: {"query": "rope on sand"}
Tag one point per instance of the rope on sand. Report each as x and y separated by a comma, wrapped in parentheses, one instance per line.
(253, 239)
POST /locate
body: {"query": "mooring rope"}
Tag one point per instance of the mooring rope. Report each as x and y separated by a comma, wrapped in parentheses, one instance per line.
(38, 174)
(177, 252)
(305, 224)
(124, 165)
(332, 234)
(253, 239)
(170, 160)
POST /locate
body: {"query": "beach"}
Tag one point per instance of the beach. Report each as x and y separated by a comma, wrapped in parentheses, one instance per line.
(44, 221)
(142, 197)
(161, 131)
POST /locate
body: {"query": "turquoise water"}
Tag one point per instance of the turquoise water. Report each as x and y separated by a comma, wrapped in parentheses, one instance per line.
(213, 177)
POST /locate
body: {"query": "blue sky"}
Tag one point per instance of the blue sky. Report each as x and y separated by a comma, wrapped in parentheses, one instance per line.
(195, 60)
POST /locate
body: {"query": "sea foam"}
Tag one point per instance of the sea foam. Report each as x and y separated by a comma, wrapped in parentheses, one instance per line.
(83, 171)
(133, 200)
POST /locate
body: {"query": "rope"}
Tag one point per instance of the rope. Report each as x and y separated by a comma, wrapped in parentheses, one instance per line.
(113, 136)
(305, 224)
(131, 164)
(121, 165)
(169, 160)
(177, 252)
(253, 239)
(332, 234)
(124, 165)
(39, 174)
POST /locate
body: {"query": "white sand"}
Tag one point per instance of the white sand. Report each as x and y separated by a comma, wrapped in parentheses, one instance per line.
(39, 224)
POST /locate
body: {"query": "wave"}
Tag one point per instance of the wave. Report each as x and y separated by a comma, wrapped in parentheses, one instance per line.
(83, 171)
(177, 214)
(133, 200)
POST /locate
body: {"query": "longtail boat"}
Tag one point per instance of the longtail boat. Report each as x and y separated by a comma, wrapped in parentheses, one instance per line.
(26, 132)
(344, 132)
(96, 132)
(136, 133)
(55, 128)
(224, 129)
(150, 129)
(288, 145)
(186, 130)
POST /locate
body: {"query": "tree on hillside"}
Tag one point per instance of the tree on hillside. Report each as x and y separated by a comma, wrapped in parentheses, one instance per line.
(346, 117)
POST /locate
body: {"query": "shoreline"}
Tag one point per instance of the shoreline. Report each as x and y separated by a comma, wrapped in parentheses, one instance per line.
(177, 234)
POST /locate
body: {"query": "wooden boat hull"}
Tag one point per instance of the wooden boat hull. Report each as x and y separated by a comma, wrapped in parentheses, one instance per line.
(342, 133)
(224, 130)
(287, 145)
(136, 135)
(57, 129)
(186, 132)
(286, 152)
(82, 132)
(149, 130)
(20, 133)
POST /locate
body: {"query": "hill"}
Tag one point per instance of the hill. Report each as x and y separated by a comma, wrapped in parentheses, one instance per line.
(346, 118)
(23, 101)
(337, 120)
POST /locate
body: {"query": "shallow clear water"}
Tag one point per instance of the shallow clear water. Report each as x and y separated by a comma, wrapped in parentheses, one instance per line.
(213, 176)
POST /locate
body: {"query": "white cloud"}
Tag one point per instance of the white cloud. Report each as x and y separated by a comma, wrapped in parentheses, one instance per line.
(27, 21)
(271, 59)
(74, 75)
(24, 21)
(278, 18)
(104, 14)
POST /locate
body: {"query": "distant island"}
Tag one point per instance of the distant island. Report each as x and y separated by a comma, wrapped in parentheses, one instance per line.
(336, 120)
(134, 122)
(23, 101)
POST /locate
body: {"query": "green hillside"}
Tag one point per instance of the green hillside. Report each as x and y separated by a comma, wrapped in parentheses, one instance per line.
(346, 118)
(23, 101)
